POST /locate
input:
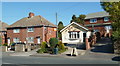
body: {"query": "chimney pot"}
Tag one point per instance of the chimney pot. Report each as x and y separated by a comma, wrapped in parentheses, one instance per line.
(31, 14)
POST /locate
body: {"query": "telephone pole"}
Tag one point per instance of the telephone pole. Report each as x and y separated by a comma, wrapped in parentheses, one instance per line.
(57, 25)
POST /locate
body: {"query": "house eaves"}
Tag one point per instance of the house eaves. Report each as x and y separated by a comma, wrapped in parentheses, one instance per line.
(75, 24)
(98, 24)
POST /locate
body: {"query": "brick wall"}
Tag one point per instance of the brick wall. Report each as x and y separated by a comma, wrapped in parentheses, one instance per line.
(99, 20)
(98, 27)
(38, 31)
(50, 33)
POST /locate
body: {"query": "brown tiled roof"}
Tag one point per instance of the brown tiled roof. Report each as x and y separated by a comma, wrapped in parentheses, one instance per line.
(97, 15)
(3, 26)
(33, 21)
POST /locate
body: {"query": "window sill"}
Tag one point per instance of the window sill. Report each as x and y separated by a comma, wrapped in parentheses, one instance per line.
(106, 21)
(30, 31)
(73, 38)
(93, 22)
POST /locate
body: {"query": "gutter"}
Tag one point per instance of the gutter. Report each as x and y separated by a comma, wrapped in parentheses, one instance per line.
(98, 24)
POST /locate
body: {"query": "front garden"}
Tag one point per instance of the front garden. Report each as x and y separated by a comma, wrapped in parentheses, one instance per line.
(53, 47)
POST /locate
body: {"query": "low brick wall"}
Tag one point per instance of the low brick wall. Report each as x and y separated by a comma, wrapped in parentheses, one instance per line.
(19, 48)
(29, 47)
(4, 49)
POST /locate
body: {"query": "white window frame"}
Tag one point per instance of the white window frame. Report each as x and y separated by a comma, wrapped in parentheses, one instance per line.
(93, 20)
(16, 40)
(30, 39)
(38, 40)
(107, 28)
(16, 30)
(74, 35)
(106, 19)
(30, 30)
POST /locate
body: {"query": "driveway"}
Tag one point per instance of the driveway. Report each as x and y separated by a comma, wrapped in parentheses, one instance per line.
(103, 46)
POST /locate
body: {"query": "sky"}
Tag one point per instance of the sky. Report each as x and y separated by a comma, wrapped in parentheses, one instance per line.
(14, 11)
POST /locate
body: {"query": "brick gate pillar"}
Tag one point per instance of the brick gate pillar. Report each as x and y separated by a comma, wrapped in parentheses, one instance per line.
(87, 43)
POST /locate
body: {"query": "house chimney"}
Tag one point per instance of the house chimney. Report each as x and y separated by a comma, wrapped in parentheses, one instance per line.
(31, 14)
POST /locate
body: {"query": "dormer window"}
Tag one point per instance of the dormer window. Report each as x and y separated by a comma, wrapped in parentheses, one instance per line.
(93, 20)
(106, 19)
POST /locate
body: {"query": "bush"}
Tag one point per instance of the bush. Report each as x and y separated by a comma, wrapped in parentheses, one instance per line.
(61, 46)
(43, 48)
(53, 42)
(117, 47)
(5, 44)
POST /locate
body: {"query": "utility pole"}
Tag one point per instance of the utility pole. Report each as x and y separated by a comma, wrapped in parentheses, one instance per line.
(57, 25)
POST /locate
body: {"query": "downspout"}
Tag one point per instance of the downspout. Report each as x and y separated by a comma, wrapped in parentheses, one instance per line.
(43, 33)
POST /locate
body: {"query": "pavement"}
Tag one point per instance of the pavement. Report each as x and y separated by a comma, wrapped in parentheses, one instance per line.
(103, 47)
(12, 53)
(64, 54)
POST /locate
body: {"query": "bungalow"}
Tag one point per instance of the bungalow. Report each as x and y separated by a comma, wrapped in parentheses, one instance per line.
(3, 32)
(75, 33)
(31, 29)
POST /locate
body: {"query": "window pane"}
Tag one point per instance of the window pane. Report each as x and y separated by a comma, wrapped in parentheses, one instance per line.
(78, 35)
(74, 35)
(30, 29)
(106, 19)
(69, 34)
(93, 20)
(16, 30)
(15, 40)
(30, 40)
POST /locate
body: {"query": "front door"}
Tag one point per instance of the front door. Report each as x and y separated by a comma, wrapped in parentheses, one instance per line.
(38, 40)
(84, 36)
(8, 41)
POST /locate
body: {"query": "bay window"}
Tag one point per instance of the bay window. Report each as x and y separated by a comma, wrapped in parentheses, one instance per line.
(74, 35)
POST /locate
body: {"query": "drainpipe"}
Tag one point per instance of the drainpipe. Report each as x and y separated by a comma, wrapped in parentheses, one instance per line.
(43, 33)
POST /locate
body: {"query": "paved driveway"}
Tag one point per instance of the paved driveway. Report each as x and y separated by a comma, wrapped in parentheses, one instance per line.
(103, 46)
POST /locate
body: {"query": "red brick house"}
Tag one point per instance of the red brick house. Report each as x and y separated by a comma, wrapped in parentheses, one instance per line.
(99, 22)
(3, 32)
(31, 29)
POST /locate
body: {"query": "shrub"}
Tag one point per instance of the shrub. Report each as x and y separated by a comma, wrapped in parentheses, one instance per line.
(61, 46)
(42, 48)
(53, 42)
(5, 44)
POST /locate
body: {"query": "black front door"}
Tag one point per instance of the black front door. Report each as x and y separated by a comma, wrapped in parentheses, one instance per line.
(84, 36)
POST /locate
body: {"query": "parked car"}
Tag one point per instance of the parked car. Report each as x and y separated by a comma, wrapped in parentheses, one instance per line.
(13, 45)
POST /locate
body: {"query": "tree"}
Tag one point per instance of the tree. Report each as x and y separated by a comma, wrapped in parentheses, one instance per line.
(74, 18)
(60, 27)
(53, 42)
(113, 8)
(79, 19)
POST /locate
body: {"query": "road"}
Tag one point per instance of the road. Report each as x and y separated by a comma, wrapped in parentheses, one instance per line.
(88, 58)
